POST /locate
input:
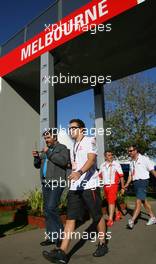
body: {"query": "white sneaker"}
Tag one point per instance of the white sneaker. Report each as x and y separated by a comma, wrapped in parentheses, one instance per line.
(151, 221)
(130, 223)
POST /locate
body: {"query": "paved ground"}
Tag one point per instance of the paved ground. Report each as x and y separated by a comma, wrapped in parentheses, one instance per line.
(126, 246)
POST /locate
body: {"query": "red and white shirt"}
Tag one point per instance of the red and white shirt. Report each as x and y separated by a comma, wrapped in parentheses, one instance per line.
(110, 173)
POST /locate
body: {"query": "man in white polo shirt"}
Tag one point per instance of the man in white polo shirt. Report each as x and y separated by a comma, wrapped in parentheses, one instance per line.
(140, 167)
(84, 193)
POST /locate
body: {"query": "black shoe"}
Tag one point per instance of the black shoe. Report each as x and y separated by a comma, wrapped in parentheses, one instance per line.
(55, 256)
(47, 242)
(101, 250)
(58, 243)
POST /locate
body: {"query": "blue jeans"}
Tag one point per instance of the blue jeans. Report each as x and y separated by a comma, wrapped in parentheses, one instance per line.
(51, 199)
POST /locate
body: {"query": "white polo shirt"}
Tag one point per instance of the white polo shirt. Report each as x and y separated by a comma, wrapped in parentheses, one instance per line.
(81, 150)
(111, 172)
(141, 167)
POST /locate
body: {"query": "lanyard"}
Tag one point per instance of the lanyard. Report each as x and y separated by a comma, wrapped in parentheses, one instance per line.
(75, 150)
(134, 166)
(46, 161)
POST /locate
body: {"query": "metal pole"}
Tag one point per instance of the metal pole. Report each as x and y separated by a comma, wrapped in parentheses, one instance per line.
(48, 104)
(99, 121)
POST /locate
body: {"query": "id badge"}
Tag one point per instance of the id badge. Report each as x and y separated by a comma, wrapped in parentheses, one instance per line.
(74, 166)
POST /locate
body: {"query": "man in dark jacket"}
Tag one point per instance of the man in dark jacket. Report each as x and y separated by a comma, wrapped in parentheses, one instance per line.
(52, 162)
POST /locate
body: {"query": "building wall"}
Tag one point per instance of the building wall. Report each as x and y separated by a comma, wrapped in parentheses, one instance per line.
(19, 129)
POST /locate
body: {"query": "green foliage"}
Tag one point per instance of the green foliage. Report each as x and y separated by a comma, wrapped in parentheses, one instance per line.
(6, 217)
(35, 202)
(131, 112)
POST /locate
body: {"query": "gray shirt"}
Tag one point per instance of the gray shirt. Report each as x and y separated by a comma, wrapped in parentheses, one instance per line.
(58, 160)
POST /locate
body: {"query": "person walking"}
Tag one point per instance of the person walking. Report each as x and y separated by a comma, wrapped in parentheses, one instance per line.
(84, 193)
(52, 163)
(140, 167)
(111, 173)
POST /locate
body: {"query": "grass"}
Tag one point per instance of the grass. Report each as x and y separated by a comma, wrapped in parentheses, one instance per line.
(6, 217)
(8, 227)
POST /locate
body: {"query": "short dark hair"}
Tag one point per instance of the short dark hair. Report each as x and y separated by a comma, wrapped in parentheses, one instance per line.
(108, 151)
(80, 123)
(134, 146)
(51, 131)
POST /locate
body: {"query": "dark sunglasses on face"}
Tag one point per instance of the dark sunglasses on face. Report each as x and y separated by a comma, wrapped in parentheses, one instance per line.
(73, 128)
(131, 150)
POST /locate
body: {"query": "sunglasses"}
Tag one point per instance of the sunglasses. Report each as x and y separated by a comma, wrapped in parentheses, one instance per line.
(73, 127)
(131, 150)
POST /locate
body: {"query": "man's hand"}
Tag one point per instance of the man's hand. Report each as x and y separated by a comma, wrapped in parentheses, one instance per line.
(126, 186)
(153, 172)
(45, 149)
(74, 176)
(35, 153)
(122, 191)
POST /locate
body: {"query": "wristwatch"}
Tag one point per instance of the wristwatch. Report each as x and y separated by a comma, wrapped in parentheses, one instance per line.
(81, 172)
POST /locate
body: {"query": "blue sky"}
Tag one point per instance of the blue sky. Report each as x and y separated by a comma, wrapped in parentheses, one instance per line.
(14, 15)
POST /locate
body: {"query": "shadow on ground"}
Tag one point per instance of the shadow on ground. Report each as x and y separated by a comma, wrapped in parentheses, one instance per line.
(20, 220)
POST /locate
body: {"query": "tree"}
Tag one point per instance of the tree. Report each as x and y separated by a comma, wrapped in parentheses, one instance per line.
(131, 113)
